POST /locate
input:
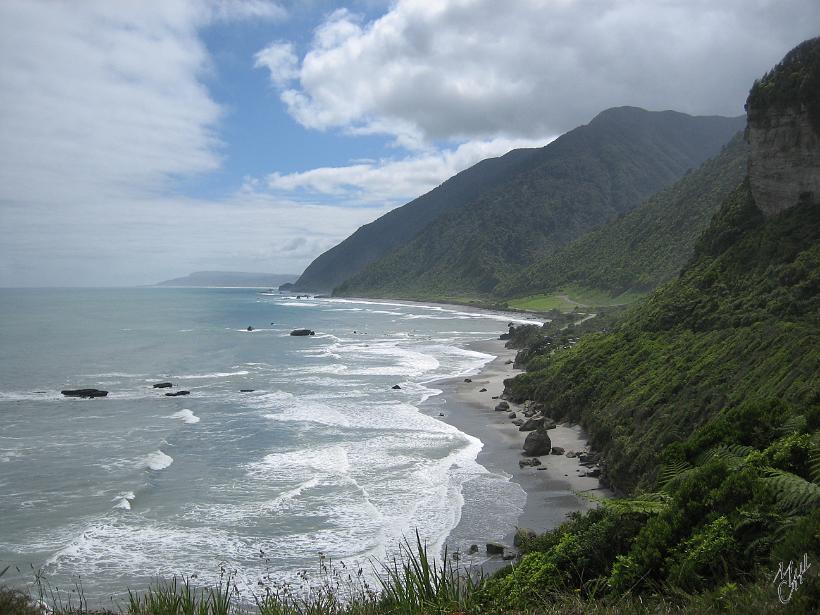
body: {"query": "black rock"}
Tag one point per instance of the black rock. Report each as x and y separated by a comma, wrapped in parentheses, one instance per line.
(495, 548)
(246, 390)
(518, 422)
(556, 450)
(537, 443)
(250, 328)
(163, 385)
(482, 390)
(502, 406)
(468, 380)
(473, 549)
(396, 387)
(84, 393)
(302, 332)
(511, 415)
(177, 394)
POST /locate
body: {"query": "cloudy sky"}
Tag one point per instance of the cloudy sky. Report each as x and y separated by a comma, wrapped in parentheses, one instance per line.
(141, 141)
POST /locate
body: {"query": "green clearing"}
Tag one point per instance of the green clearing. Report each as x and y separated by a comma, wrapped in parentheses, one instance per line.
(567, 299)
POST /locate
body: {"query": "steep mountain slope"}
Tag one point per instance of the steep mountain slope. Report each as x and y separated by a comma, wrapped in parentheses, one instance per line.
(705, 399)
(648, 245)
(583, 179)
(373, 240)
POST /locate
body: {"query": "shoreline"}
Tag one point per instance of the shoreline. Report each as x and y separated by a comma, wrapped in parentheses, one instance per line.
(552, 488)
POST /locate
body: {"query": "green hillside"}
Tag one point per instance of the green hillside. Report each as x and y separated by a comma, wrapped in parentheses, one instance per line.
(648, 245)
(396, 227)
(585, 178)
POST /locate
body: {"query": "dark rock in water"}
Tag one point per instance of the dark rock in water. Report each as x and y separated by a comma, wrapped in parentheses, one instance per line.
(557, 450)
(396, 387)
(482, 390)
(246, 390)
(468, 380)
(495, 396)
(177, 394)
(502, 405)
(523, 534)
(302, 332)
(532, 424)
(163, 385)
(537, 443)
(250, 328)
(511, 415)
(441, 414)
(518, 422)
(84, 393)
(495, 548)
(473, 549)
(505, 336)
(508, 555)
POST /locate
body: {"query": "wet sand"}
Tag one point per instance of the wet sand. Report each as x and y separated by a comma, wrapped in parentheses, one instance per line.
(552, 489)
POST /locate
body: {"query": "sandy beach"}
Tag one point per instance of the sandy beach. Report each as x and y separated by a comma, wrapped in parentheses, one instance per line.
(552, 489)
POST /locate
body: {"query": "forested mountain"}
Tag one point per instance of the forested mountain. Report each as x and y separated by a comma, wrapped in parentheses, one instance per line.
(704, 400)
(396, 227)
(583, 179)
(645, 247)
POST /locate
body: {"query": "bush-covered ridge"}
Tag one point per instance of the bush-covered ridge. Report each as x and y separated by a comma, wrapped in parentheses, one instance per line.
(647, 246)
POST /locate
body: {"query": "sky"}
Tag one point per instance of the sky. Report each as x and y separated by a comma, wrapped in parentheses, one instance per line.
(141, 141)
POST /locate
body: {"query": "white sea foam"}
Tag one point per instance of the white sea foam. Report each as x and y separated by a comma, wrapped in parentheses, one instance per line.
(157, 461)
(298, 304)
(186, 416)
(241, 372)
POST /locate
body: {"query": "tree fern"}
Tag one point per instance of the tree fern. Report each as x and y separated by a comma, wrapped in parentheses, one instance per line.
(794, 494)
(673, 470)
(725, 452)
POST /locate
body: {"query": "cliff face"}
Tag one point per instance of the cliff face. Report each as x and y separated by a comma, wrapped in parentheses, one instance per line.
(784, 160)
(784, 132)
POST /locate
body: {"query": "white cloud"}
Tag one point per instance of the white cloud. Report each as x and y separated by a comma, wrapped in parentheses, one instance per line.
(105, 98)
(467, 69)
(393, 181)
(280, 59)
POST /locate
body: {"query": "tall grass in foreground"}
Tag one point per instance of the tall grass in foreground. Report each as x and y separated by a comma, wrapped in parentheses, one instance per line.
(413, 583)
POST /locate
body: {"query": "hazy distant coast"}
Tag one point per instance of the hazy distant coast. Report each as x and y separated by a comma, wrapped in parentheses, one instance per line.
(234, 279)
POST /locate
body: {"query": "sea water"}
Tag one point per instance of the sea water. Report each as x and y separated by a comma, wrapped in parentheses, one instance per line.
(324, 458)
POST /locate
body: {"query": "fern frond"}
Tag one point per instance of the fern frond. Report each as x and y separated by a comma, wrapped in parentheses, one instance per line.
(648, 504)
(725, 452)
(673, 470)
(814, 459)
(793, 424)
(794, 493)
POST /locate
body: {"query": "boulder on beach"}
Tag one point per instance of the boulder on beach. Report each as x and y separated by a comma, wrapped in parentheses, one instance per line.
(535, 461)
(549, 424)
(468, 380)
(84, 393)
(246, 390)
(571, 454)
(177, 394)
(302, 332)
(482, 390)
(163, 385)
(518, 422)
(537, 443)
(556, 450)
(532, 424)
(473, 549)
(502, 406)
(495, 548)
(511, 415)
(396, 387)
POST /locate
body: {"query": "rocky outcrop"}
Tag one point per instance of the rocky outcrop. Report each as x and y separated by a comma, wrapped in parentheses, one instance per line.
(163, 385)
(84, 393)
(783, 132)
(784, 160)
(178, 394)
(302, 332)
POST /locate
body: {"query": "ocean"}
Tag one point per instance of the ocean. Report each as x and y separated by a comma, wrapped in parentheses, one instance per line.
(324, 458)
